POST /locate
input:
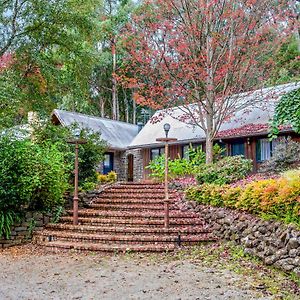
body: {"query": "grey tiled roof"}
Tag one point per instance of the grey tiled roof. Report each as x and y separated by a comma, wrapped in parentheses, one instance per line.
(118, 135)
(264, 101)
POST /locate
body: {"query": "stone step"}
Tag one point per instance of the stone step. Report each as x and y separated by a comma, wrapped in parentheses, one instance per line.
(130, 207)
(134, 222)
(144, 196)
(127, 229)
(139, 184)
(132, 215)
(118, 189)
(130, 201)
(92, 247)
(121, 238)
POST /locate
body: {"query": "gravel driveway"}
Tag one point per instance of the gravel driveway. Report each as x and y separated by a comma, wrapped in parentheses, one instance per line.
(31, 275)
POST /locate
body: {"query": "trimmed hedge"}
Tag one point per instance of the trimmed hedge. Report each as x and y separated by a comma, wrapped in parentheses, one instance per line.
(270, 198)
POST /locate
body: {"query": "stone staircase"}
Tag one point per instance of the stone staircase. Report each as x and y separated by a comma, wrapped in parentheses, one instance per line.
(126, 217)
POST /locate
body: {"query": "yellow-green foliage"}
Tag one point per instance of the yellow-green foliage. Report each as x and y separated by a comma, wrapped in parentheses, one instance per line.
(272, 198)
(109, 178)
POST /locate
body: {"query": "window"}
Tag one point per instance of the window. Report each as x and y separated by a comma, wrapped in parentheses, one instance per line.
(238, 148)
(156, 152)
(265, 147)
(108, 162)
(185, 149)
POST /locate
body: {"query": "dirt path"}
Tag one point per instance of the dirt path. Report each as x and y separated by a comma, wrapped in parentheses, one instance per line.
(30, 275)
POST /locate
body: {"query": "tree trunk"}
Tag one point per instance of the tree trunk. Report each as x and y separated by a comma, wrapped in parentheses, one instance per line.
(209, 149)
(102, 108)
(126, 106)
(133, 112)
(115, 114)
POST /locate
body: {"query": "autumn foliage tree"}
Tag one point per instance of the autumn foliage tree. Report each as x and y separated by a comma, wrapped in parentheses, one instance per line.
(202, 52)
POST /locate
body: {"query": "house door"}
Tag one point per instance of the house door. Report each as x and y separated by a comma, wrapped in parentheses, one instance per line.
(130, 167)
(108, 163)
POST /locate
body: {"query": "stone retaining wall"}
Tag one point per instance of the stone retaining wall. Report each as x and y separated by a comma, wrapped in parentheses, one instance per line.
(273, 242)
(22, 232)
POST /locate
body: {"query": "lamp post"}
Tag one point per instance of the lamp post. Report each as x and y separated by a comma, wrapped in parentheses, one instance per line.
(166, 140)
(76, 142)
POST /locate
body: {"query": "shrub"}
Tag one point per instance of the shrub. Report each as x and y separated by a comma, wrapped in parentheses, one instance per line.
(31, 177)
(224, 171)
(108, 178)
(286, 155)
(90, 154)
(277, 198)
(181, 167)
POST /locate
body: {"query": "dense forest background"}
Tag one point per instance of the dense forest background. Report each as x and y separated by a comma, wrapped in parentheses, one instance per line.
(67, 53)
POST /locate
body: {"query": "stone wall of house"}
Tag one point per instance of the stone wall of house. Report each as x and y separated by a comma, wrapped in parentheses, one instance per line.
(273, 242)
(22, 231)
(137, 165)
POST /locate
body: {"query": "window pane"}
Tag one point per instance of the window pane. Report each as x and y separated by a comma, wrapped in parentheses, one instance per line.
(106, 162)
(265, 149)
(238, 149)
(185, 151)
(154, 153)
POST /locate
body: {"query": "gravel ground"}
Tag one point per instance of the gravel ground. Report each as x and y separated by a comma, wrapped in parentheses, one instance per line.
(28, 274)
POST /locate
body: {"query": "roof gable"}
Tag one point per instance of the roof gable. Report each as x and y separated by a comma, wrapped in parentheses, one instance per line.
(117, 134)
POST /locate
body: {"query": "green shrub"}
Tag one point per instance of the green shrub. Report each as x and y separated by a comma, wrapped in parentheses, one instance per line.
(31, 177)
(224, 171)
(90, 154)
(178, 167)
(207, 194)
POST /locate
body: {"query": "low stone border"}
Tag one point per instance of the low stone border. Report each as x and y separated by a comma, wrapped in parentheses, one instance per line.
(273, 242)
(22, 232)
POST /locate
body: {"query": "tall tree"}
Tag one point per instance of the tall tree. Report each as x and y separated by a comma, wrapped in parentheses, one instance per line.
(52, 45)
(114, 15)
(203, 52)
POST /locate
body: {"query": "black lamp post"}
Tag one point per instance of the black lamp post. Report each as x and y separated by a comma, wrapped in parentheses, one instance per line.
(76, 141)
(166, 140)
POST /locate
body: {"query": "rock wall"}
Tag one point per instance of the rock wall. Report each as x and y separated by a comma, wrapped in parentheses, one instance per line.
(273, 242)
(22, 232)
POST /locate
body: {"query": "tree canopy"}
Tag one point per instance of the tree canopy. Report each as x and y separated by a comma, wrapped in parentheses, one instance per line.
(202, 52)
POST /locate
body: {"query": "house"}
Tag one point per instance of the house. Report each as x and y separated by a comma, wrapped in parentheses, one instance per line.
(118, 136)
(244, 134)
(131, 148)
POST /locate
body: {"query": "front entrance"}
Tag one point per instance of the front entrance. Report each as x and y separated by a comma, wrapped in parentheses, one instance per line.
(130, 167)
(108, 163)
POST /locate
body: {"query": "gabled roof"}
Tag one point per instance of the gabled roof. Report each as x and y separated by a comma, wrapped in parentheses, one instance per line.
(251, 121)
(118, 135)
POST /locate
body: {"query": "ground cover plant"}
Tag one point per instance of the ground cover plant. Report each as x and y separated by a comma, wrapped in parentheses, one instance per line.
(274, 198)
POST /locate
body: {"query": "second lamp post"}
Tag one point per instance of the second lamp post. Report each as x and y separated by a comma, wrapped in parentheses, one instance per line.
(166, 140)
